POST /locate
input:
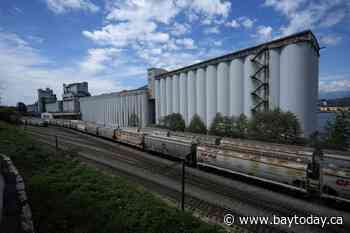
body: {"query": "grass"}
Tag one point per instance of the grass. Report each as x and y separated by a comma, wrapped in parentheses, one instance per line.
(68, 197)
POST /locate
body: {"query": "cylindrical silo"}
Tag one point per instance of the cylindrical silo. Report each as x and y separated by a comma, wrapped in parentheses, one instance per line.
(169, 95)
(183, 96)
(162, 97)
(298, 83)
(274, 78)
(211, 89)
(157, 99)
(236, 87)
(176, 94)
(223, 88)
(248, 86)
(191, 94)
(201, 94)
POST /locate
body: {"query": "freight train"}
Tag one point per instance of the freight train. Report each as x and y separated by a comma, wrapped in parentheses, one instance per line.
(309, 170)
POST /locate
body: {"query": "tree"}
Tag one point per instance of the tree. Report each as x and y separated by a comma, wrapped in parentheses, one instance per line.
(218, 126)
(173, 122)
(239, 126)
(197, 125)
(21, 107)
(134, 120)
(338, 131)
(275, 126)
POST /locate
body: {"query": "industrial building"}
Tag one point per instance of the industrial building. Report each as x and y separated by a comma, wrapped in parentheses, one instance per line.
(32, 108)
(68, 107)
(282, 73)
(55, 107)
(117, 109)
(45, 96)
(279, 74)
(71, 94)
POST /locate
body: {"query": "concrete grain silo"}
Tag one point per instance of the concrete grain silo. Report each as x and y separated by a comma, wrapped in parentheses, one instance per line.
(201, 92)
(169, 95)
(211, 97)
(191, 94)
(235, 87)
(223, 85)
(176, 92)
(278, 74)
(298, 83)
(183, 96)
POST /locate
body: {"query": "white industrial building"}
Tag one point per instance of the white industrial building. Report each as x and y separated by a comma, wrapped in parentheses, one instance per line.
(116, 109)
(279, 74)
(282, 73)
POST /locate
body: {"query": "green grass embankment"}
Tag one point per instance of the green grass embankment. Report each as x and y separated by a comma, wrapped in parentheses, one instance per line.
(68, 197)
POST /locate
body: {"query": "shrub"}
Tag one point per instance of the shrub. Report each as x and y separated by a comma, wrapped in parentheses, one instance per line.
(197, 125)
(173, 122)
(6, 113)
(274, 126)
(338, 131)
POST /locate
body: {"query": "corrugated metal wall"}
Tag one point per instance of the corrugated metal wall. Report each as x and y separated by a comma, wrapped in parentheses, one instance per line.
(115, 109)
(227, 87)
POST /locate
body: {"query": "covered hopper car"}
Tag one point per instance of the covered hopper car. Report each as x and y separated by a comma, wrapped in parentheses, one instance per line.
(326, 173)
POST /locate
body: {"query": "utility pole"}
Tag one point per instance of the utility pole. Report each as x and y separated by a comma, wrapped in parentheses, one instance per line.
(183, 186)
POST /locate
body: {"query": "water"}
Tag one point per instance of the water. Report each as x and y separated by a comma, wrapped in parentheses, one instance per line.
(322, 118)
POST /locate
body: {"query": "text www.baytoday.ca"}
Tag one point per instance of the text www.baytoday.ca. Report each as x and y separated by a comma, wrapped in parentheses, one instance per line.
(323, 221)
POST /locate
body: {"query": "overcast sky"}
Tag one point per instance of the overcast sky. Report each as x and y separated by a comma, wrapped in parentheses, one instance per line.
(111, 43)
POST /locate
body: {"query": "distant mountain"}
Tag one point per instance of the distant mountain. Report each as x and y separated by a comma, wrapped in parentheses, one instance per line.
(334, 95)
(339, 102)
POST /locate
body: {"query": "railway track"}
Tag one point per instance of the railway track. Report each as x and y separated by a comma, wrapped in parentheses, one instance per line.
(208, 194)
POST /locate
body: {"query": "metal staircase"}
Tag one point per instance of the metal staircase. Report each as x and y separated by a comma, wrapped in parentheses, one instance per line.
(260, 80)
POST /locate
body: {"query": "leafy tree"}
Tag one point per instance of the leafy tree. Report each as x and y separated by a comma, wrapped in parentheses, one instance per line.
(134, 120)
(275, 126)
(338, 131)
(173, 122)
(197, 125)
(21, 107)
(218, 126)
(239, 126)
(225, 126)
